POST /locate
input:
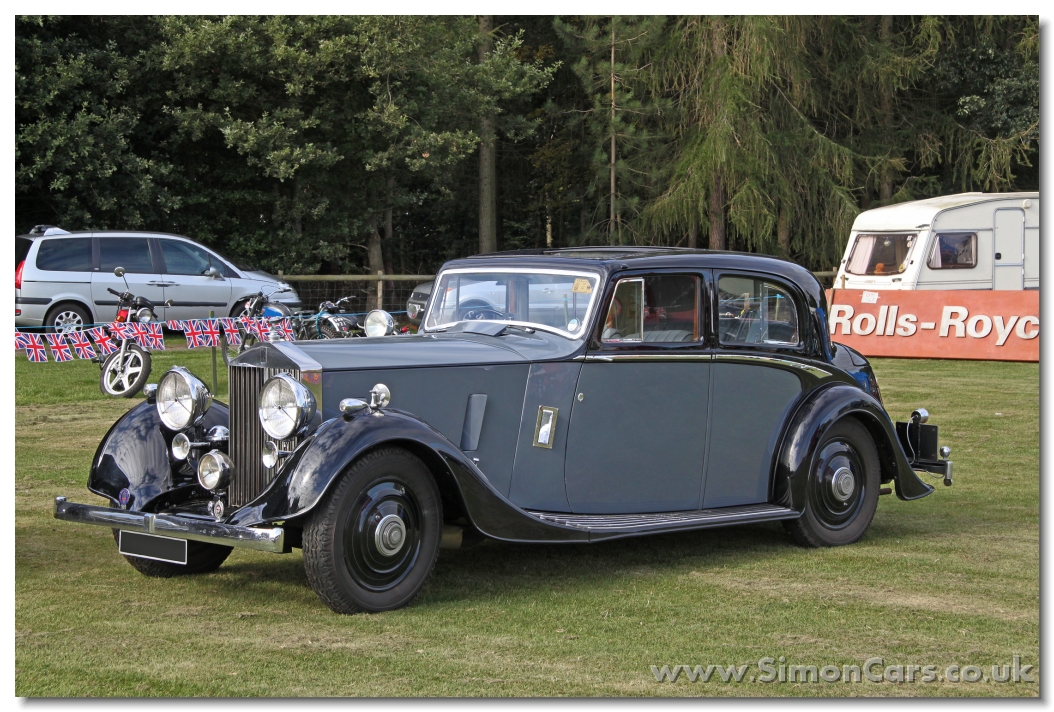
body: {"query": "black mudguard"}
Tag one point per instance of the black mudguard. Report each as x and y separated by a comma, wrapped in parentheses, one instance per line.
(805, 432)
(134, 455)
(318, 462)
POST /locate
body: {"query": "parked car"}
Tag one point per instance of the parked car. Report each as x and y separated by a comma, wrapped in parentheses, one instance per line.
(415, 305)
(62, 278)
(965, 241)
(680, 390)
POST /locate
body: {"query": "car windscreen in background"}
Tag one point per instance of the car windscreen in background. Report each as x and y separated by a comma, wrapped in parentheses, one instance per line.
(132, 253)
(22, 246)
(67, 254)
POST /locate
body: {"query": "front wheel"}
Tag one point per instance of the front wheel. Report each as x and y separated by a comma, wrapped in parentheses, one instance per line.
(372, 543)
(124, 377)
(842, 492)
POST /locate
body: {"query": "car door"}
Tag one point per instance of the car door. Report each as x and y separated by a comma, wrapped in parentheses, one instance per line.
(192, 292)
(636, 435)
(758, 376)
(142, 272)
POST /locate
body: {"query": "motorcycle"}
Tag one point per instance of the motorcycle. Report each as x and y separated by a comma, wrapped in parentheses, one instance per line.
(333, 320)
(125, 371)
(257, 306)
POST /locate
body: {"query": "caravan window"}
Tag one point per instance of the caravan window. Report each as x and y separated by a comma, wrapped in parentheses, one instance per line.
(880, 254)
(954, 251)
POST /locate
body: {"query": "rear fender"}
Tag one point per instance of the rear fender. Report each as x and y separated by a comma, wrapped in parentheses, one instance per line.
(313, 469)
(806, 430)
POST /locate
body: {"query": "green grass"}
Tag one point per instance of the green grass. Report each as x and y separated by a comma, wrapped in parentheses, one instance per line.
(952, 578)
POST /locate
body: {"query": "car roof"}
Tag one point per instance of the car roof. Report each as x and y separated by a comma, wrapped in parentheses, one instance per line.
(108, 233)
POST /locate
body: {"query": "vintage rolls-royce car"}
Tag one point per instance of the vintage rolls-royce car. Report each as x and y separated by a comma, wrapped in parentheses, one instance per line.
(572, 395)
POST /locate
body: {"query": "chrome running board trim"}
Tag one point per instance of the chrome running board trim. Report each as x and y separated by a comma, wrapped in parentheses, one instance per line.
(604, 524)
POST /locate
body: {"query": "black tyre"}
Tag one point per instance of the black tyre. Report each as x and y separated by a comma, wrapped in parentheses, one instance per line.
(202, 558)
(373, 541)
(842, 492)
(67, 317)
(125, 379)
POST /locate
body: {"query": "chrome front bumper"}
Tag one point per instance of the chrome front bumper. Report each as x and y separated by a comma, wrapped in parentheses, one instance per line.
(169, 525)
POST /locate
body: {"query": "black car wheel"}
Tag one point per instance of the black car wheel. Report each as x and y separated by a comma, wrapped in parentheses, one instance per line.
(842, 492)
(372, 543)
(67, 317)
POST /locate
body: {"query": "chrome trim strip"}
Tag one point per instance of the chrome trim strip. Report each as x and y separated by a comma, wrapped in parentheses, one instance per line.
(662, 520)
(774, 361)
(646, 357)
(173, 526)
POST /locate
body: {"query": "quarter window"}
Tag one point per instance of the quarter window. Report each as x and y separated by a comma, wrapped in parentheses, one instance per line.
(132, 253)
(954, 251)
(65, 255)
(755, 311)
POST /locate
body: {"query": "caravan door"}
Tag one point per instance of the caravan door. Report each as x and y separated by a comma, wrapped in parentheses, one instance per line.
(1008, 270)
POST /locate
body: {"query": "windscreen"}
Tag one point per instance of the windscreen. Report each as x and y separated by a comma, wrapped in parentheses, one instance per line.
(552, 300)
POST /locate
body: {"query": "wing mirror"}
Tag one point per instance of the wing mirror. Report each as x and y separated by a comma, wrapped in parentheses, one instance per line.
(118, 271)
(213, 272)
(169, 302)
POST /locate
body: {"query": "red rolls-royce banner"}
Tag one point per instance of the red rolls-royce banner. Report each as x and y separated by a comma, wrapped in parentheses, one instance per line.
(956, 324)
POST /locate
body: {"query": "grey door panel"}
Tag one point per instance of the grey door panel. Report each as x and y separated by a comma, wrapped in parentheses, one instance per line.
(637, 439)
(132, 253)
(750, 404)
(1009, 263)
(538, 475)
(440, 397)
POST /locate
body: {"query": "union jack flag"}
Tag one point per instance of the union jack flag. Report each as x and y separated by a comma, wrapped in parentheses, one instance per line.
(252, 326)
(210, 332)
(21, 339)
(59, 348)
(141, 334)
(263, 329)
(102, 340)
(175, 324)
(156, 337)
(230, 331)
(120, 330)
(192, 330)
(81, 344)
(286, 326)
(35, 350)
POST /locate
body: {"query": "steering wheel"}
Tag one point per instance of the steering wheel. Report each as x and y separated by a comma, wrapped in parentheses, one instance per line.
(484, 313)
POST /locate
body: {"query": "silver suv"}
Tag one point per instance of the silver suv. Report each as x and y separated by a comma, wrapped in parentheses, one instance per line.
(61, 277)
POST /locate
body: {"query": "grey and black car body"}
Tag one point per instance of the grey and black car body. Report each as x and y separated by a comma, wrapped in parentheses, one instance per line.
(579, 395)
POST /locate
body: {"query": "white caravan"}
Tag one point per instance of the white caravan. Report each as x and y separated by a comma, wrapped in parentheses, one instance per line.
(965, 241)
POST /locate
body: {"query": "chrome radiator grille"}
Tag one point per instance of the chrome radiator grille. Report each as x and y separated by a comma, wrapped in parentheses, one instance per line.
(247, 436)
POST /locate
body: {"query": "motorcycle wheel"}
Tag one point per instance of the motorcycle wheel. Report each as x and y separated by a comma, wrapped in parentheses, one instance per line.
(124, 380)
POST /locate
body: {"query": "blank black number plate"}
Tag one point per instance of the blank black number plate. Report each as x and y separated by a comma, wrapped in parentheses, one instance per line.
(149, 546)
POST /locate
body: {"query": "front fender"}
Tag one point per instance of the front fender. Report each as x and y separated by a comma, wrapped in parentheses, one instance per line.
(310, 472)
(806, 430)
(134, 455)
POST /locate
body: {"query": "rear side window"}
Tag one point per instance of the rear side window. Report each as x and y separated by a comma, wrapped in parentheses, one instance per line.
(22, 246)
(68, 254)
(954, 251)
(132, 253)
(755, 311)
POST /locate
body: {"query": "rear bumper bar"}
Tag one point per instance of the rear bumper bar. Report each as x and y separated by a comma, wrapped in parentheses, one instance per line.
(177, 527)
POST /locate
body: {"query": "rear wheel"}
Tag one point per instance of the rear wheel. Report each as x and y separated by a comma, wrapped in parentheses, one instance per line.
(67, 317)
(125, 377)
(842, 492)
(372, 543)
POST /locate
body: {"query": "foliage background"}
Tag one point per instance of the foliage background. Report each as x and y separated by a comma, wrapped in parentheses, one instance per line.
(346, 144)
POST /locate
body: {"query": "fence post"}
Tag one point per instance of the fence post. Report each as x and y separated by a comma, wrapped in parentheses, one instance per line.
(380, 290)
(212, 313)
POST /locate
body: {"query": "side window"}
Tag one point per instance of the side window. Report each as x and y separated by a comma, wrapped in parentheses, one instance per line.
(755, 311)
(65, 255)
(954, 251)
(185, 258)
(132, 253)
(625, 318)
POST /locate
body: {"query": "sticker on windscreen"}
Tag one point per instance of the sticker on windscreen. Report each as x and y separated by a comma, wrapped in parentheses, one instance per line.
(582, 286)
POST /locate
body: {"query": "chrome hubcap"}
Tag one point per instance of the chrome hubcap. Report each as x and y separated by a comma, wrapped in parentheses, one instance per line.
(843, 484)
(390, 534)
(68, 321)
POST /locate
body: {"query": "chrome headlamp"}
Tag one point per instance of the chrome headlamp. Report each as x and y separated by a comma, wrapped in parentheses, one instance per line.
(144, 316)
(286, 406)
(214, 470)
(182, 399)
(379, 323)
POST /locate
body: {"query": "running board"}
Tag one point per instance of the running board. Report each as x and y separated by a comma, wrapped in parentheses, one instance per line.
(602, 526)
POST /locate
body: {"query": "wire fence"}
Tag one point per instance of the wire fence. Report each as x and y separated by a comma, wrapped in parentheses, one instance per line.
(313, 289)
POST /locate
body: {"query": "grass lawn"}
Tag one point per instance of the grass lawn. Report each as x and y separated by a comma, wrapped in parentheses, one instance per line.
(950, 579)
